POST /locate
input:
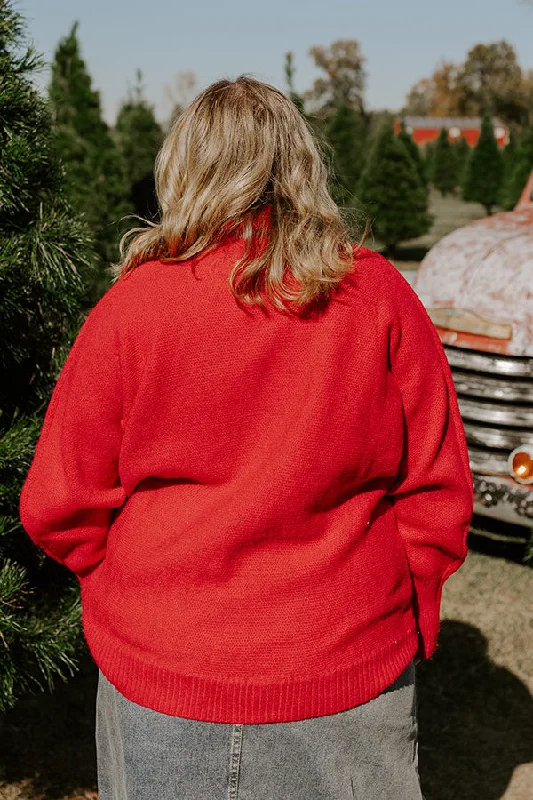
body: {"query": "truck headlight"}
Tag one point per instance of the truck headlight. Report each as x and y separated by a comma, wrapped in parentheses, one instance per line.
(520, 463)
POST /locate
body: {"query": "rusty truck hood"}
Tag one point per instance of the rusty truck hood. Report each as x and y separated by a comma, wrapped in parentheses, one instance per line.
(477, 284)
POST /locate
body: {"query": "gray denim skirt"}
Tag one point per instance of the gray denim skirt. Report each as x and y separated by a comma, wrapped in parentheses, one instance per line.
(367, 752)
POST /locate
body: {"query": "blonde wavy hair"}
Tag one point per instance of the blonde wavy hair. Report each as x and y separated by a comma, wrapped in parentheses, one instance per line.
(239, 147)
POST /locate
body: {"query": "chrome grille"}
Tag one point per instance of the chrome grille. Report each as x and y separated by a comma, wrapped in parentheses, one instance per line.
(495, 395)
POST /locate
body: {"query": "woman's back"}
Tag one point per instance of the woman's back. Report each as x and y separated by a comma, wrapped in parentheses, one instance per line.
(256, 546)
(254, 462)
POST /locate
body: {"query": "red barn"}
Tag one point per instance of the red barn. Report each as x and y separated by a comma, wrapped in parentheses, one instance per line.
(427, 129)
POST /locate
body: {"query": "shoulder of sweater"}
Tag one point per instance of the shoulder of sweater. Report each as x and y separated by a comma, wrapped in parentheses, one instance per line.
(134, 286)
(373, 275)
(376, 266)
(405, 308)
(379, 278)
(148, 278)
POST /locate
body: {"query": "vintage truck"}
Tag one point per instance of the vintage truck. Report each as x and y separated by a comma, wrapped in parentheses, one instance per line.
(477, 287)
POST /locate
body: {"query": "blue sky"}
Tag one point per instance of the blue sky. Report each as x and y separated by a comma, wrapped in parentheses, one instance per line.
(402, 40)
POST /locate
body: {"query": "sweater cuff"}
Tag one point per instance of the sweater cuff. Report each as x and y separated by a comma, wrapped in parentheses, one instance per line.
(428, 596)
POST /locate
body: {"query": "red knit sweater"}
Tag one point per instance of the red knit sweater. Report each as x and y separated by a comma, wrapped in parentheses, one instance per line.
(261, 508)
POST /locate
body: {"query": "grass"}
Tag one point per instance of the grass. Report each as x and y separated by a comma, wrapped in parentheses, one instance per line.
(475, 703)
(475, 695)
(449, 213)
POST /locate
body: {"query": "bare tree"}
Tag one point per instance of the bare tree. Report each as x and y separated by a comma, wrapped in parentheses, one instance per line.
(490, 79)
(343, 78)
(181, 91)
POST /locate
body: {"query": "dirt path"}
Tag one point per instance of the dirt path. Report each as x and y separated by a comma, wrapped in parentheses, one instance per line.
(475, 695)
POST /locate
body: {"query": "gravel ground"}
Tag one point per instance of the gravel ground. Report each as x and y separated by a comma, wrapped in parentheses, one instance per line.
(475, 704)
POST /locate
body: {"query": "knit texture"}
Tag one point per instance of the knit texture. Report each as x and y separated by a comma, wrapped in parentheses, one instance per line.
(261, 508)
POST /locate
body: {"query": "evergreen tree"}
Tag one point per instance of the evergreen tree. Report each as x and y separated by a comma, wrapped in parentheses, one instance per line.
(429, 155)
(509, 160)
(462, 153)
(445, 166)
(45, 258)
(316, 121)
(414, 152)
(289, 70)
(391, 188)
(345, 133)
(139, 136)
(484, 170)
(518, 166)
(92, 162)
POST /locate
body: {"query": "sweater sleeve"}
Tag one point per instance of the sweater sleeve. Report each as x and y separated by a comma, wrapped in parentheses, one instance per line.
(73, 486)
(433, 491)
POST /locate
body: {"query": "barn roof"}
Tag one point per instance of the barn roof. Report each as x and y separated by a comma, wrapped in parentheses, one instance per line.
(472, 123)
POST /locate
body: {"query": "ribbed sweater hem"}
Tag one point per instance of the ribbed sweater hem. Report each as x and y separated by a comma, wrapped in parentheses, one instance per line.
(228, 700)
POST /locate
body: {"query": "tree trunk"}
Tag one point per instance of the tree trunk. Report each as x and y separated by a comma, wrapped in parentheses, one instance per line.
(391, 249)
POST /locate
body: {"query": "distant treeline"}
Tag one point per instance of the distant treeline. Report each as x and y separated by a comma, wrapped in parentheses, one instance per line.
(110, 169)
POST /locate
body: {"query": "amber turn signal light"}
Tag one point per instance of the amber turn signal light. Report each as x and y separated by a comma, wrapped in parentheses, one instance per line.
(520, 463)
